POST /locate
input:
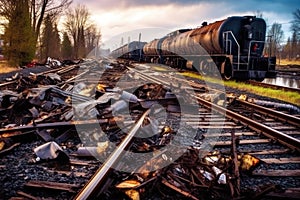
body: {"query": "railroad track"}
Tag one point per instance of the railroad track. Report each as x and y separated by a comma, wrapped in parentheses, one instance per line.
(276, 87)
(204, 137)
(254, 138)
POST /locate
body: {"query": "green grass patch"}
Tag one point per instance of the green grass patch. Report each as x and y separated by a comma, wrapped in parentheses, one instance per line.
(289, 97)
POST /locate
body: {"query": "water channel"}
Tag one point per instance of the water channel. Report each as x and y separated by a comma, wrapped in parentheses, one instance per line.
(284, 81)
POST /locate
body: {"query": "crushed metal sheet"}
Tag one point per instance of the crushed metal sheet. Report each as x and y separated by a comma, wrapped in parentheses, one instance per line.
(49, 150)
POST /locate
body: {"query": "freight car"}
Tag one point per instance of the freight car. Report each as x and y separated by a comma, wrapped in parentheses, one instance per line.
(234, 45)
(131, 51)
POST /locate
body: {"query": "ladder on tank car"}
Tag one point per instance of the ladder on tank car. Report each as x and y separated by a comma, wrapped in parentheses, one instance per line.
(238, 62)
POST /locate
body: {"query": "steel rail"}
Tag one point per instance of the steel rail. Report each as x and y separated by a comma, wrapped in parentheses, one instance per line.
(94, 187)
(277, 87)
(273, 113)
(271, 133)
(150, 78)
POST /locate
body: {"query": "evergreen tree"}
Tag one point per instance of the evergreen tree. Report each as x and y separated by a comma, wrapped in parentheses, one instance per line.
(81, 43)
(46, 38)
(50, 40)
(294, 45)
(19, 36)
(66, 47)
(56, 43)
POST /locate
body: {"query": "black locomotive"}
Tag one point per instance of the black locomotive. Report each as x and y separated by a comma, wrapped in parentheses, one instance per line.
(233, 46)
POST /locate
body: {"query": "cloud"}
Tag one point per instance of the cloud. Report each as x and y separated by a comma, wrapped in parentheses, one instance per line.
(119, 16)
(119, 4)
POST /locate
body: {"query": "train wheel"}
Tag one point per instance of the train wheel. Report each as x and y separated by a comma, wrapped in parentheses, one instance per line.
(204, 67)
(227, 71)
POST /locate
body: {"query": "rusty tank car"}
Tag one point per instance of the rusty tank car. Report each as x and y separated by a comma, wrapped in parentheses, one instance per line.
(232, 47)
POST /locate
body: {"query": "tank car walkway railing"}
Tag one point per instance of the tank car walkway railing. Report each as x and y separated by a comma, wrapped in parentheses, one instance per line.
(226, 36)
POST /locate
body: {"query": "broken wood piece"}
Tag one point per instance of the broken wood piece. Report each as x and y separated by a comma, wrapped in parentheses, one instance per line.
(96, 185)
(9, 148)
(235, 164)
(281, 160)
(68, 173)
(184, 193)
(265, 191)
(54, 125)
(27, 196)
(52, 185)
(241, 142)
(82, 162)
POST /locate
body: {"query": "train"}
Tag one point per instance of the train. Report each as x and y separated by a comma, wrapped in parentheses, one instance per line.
(232, 47)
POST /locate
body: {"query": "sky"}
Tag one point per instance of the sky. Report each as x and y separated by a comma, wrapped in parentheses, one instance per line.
(125, 19)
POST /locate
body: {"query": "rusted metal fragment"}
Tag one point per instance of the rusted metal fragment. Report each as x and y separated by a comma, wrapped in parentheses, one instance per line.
(50, 150)
(45, 135)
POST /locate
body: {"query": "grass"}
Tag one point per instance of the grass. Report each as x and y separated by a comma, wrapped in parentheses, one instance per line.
(288, 62)
(289, 97)
(4, 68)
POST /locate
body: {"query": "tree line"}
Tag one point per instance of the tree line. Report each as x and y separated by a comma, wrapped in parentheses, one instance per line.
(31, 30)
(284, 50)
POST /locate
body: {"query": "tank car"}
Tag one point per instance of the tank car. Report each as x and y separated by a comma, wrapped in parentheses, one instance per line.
(132, 51)
(234, 45)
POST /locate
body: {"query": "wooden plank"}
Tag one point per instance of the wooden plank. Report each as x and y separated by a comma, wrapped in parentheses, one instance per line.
(210, 123)
(229, 134)
(268, 152)
(273, 124)
(53, 125)
(295, 160)
(9, 148)
(68, 173)
(27, 196)
(282, 128)
(206, 120)
(294, 132)
(52, 185)
(284, 195)
(217, 127)
(277, 173)
(83, 162)
(242, 142)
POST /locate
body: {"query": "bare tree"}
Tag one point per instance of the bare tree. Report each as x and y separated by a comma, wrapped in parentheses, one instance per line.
(41, 8)
(38, 10)
(76, 23)
(275, 35)
(93, 37)
(296, 22)
(258, 13)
